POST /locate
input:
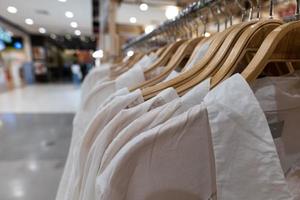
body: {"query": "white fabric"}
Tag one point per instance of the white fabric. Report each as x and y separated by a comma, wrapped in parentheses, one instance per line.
(172, 75)
(169, 162)
(94, 75)
(154, 118)
(80, 123)
(200, 52)
(279, 98)
(176, 159)
(146, 62)
(102, 91)
(106, 135)
(247, 165)
(103, 116)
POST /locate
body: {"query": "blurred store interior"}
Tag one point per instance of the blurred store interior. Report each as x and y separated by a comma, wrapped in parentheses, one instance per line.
(46, 50)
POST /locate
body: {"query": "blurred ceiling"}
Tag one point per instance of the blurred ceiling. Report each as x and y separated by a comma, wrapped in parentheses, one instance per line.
(50, 14)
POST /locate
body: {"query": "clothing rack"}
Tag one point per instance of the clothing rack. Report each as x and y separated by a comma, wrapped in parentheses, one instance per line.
(188, 13)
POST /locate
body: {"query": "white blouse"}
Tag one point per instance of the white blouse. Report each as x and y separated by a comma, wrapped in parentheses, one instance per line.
(99, 121)
(95, 75)
(154, 118)
(279, 98)
(107, 134)
(218, 149)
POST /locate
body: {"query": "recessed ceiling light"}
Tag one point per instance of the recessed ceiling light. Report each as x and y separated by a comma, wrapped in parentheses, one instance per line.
(62, 1)
(12, 9)
(171, 12)
(132, 20)
(29, 21)
(42, 30)
(144, 7)
(74, 24)
(77, 32)
(69, 14)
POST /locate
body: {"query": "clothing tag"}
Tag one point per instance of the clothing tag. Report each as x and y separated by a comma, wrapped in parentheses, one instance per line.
(276, 129)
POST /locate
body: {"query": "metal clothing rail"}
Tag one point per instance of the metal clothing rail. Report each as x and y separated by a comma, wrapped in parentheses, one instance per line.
(188, 12)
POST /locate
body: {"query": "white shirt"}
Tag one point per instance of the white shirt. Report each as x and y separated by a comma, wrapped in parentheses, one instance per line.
(176, 159)
(106, 135)
(96, 74)
(279, 98)
(100, 119)
(154, 118)
(80, 123)
(101, 91)
(247, 165)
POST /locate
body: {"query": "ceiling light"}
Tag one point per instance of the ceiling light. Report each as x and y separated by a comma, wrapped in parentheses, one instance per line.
(149, 28)
(171, 12)
(130, 53)
(69, 14)
(77, 32)
(12, 9)
(42, 30)
(62, 1)
(74, 24)
(144, 7)
(98, 54)
(132, 20)
(29, 21)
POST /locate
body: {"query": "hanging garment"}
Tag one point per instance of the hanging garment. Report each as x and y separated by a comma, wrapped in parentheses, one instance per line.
(176, 159)
(279, 98)
(105, 135)
(133, 77)
(154, 118)
(98, 74)
(243, 146)
(103, 115)
(80, 123)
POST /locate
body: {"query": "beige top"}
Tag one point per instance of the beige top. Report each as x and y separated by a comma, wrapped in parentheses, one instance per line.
(99, 121)
(279, 97)
(80, 124)
(220, 145)
(106, 135)
(95, 75)
(154, 118)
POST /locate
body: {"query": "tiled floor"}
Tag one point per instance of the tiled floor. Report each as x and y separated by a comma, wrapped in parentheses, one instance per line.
(51, 98)
(35, 131)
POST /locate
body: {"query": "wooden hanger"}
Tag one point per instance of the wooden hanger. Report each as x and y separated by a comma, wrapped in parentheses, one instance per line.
(250, 40)
(165, 57)
(218, 59)
(281, 45)
(189, 74)
(184, 51)
(160, 51)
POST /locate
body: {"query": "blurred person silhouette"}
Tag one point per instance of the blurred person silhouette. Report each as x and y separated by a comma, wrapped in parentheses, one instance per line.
(76, 73)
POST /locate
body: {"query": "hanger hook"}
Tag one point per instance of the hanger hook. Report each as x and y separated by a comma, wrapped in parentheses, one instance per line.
(271, 9)
(216, 17)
